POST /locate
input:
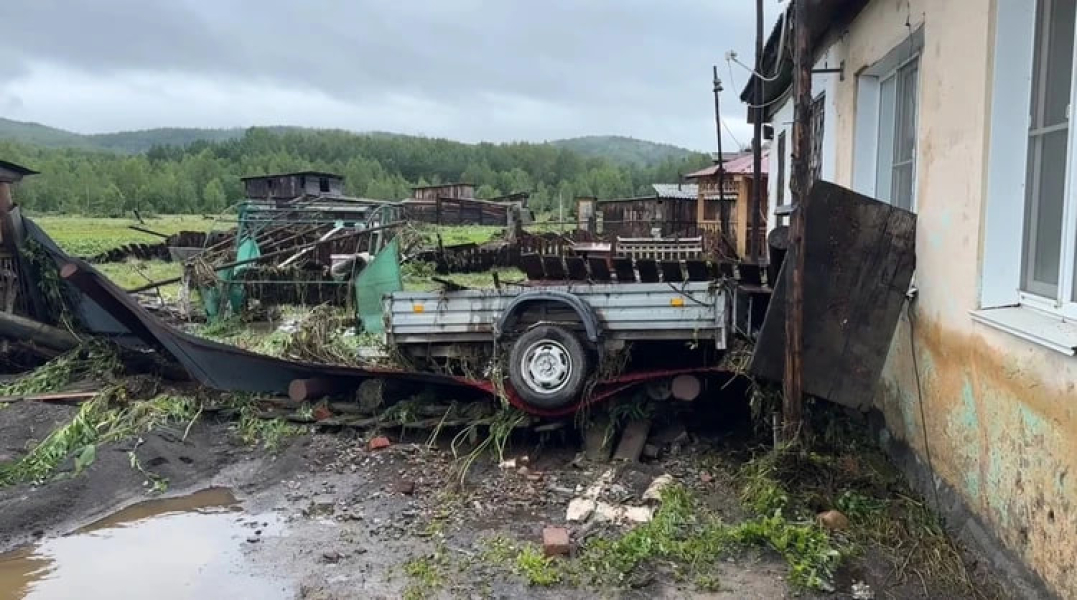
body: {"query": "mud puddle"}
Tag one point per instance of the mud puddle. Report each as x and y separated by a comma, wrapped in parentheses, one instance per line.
(193, 546)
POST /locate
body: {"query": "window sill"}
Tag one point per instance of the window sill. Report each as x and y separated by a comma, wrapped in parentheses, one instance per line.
(1032, 325)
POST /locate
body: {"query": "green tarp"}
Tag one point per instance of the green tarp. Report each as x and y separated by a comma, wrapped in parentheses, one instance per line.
(380, 277)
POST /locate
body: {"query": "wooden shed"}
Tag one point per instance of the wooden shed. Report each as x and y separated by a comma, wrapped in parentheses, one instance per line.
(289, 186)
(669, 212)
(447, 190)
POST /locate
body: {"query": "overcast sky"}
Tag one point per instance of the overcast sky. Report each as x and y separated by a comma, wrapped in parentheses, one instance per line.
(470, 70)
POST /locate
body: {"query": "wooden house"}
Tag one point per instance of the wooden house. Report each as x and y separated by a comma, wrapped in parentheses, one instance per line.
(447, 190)
(725, 209)
(669, 212)
(290, 186)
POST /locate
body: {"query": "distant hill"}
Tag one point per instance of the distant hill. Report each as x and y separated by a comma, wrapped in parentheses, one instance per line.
(616, 149)
(624, 149)
(128, 142)
(41, 135)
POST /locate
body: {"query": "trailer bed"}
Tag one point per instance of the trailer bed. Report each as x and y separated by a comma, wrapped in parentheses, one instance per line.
(693, 311)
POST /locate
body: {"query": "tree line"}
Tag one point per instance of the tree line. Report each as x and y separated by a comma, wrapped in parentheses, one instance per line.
(204, 177)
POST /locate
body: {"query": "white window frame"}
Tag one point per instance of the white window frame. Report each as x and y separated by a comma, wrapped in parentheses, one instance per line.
(1063, 303)
(1004, 303)
(868, 127)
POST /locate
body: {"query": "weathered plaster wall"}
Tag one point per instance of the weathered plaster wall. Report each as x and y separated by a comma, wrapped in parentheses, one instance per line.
(1000, 414)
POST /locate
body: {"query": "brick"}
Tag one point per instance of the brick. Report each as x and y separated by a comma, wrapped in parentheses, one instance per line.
(404, 486)
(379, 442)
(555, 541)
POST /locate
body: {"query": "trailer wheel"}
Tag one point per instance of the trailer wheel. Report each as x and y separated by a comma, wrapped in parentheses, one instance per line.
(548, 366)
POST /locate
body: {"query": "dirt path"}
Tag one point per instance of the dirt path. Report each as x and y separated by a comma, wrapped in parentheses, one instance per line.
(396, 522)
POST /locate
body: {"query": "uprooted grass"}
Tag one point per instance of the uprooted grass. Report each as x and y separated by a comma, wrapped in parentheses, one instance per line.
(886, 519)
(124, 408)
(95, 361)
(109, 417)
(687, 536)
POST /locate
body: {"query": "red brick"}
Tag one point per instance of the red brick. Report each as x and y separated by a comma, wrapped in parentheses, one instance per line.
(555, 541)
(379, 442)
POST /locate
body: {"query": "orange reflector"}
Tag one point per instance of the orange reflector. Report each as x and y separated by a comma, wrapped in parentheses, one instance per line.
(677, 302)
(417, 308)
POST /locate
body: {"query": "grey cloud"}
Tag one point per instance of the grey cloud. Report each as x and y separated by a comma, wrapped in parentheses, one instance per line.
(610, 59)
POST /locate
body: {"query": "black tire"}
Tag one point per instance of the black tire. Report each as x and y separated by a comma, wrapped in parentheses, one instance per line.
(548, 367)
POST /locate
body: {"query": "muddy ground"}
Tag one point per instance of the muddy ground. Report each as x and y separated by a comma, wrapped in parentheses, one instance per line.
(397, 522)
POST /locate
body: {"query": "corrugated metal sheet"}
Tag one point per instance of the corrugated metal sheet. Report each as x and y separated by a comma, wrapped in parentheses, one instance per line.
(693, 311)
(680, 191)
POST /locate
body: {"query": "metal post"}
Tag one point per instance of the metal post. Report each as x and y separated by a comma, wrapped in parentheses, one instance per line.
(800, 182)
(755, 254)
(722, 213)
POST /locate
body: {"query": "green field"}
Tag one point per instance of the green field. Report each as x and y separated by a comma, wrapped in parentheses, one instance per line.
(89, 236)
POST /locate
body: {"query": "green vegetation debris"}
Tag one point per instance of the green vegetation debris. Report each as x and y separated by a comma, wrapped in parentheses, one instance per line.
(109, 417)
(93, 362)
(427, 575)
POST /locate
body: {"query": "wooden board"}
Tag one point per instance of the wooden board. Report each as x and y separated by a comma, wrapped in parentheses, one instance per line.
(555, 269)
(750, 274)
(577, 268)
(697, 270)
(859, 260)
(600, 271)
(671, 271)
(648, 270)
(623, 267)
(531, 265)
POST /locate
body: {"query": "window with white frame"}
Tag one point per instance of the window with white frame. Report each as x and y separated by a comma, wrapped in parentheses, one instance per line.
(1048, 254)
(1029, 254)
(886, 118)
(895, 166)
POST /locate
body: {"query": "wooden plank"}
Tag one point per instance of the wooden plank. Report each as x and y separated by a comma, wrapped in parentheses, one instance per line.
(672, 271)
(577, 268)
(648, 270)
(531, 265)
(50, 397)
(622, 266)
(554, 267)
(633, 439)
(600, 271)
(750, 274)
(697, 270)
(859, 259)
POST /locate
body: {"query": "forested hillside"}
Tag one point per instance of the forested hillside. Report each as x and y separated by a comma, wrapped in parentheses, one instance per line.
(623, 149)
(204, 176)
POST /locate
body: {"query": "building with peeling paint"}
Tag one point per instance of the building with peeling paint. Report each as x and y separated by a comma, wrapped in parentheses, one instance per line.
(960, 112)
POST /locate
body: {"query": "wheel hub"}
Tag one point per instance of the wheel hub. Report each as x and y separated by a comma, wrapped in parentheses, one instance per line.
(547, 366)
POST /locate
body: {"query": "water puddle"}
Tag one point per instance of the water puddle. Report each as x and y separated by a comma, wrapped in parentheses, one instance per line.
(186, 547)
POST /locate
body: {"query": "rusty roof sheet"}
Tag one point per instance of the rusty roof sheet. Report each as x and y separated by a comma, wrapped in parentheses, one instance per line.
(742, 165)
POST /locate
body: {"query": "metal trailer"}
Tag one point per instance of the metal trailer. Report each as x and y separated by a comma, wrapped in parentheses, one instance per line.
(556, 335)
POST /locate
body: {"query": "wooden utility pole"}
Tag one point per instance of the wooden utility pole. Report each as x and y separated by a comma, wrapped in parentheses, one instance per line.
(800, 184)
(724, 214)
(751, 246)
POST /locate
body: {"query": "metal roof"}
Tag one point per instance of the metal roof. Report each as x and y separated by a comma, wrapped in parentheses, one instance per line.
(742, 165)
(441, 185)
(825, 17)
(295, 174)
(680, 191)
(18, 169)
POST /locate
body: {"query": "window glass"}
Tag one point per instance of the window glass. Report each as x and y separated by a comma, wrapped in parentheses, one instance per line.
(1048, 145)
